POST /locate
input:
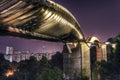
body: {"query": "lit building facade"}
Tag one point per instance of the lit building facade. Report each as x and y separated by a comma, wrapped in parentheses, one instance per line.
(16, 55)
(8, 54)
(40, 55)
(9, 50)
(21, 55)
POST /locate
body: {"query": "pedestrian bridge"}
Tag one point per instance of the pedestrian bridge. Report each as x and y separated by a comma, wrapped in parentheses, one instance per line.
(38, 19)
(46, 20)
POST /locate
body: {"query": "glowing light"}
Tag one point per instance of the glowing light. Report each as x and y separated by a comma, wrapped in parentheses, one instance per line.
(11, 29)
(107, 42)
(114, 45)
(75, 44)
(89, 44)
(9, 73)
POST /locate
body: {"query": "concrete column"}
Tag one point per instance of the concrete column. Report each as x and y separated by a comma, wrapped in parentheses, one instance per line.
(72, 61)
(85, 59)
(76, 60)
(104, 51)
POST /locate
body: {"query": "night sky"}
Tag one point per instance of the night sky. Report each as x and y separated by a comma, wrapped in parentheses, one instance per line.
(100, 18)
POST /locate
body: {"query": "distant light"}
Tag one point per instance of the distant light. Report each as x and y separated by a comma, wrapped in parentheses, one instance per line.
(107, 42)
(75, 44)
(114, 45)
(9, 73)
(89, 44)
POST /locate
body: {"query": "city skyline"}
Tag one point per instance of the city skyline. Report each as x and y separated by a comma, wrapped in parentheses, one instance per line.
(97, 18)
(34, 46)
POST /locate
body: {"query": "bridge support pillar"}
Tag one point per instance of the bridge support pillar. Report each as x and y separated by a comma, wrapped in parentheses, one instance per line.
(71, 61)
(76, 60)
(86, 65)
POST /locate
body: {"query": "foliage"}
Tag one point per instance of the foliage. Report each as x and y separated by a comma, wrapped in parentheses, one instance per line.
(82, 76)
(4, 65)
(51, 74)
(57, 60)
(36, 70)
(110, 68)
(111, 40)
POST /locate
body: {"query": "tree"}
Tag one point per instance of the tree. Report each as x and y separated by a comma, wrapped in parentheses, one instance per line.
(51, 74)
(46, 72)
(104, 72)
(82, 76)
(117, 55)
(4, 65)
(22, 73)
(32, 64)
(57, 60)
(111, 40)
(28, 69)
(43, 65)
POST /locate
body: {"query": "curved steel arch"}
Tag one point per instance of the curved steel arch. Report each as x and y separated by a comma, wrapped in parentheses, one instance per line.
(39, 19)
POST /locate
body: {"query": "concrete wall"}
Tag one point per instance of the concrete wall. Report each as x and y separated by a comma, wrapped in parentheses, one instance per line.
(76, 60)
(85, 59)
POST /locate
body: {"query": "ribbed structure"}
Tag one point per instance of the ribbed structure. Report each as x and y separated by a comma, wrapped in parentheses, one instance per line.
(39, 19)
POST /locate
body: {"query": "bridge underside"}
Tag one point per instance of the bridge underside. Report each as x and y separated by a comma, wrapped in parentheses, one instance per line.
(42, 20)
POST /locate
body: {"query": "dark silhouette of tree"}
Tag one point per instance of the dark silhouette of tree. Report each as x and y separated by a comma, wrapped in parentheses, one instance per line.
(117, 55)
(57, 60)
(111, 40)
(110, 69)
(4, 65)
(43, 65)
(32, 64)
(51, 74)
(46, 72)
(28, 69)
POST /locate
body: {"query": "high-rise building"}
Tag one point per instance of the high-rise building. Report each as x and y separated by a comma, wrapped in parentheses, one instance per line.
(16, 56)
(9, 53)
(21, 55)
(9, 50)
(44, 50)
(40, 55)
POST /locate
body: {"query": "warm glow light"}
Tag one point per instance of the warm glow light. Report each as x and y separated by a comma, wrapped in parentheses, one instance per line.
(75, 44)
(89, 44)
(11, 29)
(114, 45)
(107, 42)
(9, 73)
